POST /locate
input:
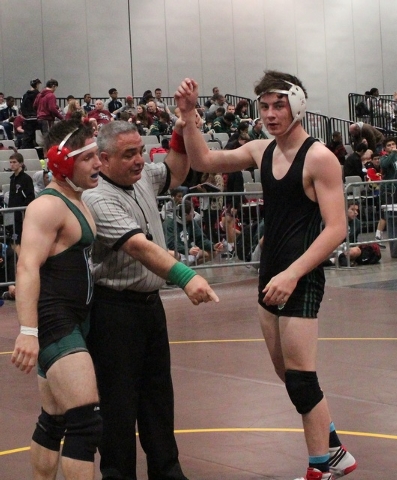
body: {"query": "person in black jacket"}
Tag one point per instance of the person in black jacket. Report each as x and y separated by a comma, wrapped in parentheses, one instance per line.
(21, 192)
(353, 163)
(29, 114)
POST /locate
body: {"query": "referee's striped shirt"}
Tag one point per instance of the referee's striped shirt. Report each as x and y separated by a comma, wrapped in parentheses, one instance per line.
(120, 213)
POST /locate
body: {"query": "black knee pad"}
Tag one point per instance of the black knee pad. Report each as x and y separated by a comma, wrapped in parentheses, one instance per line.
(303, 390)
(50, 429)
(83, 432)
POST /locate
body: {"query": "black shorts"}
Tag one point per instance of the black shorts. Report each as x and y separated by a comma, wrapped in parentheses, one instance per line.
(305, 299)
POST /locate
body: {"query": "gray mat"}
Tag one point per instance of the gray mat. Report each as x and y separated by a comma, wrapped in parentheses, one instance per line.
(382, 285)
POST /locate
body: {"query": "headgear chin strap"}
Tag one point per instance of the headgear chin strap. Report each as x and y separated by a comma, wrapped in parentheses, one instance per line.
(61, 161)
(297, 102)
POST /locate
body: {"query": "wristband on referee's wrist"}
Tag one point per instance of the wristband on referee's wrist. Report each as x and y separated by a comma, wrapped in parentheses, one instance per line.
(180, 274)
(177, 143)
(33, 331)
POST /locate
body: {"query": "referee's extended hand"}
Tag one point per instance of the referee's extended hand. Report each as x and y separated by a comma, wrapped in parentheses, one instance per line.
(199, 291)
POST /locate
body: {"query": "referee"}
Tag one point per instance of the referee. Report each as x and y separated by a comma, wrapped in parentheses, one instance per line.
(128, 338)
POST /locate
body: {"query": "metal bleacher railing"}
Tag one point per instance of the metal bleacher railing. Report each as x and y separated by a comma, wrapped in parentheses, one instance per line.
(374, 202)
(369, 196)
(377, 111)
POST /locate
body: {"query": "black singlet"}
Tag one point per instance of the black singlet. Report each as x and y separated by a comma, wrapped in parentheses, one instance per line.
(66, 284)
(292, 223)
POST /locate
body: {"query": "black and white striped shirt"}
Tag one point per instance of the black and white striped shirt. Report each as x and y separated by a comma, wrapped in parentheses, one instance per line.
(120, 213)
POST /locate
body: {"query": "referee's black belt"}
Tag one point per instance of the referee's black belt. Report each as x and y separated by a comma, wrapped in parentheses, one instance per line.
(146, 298)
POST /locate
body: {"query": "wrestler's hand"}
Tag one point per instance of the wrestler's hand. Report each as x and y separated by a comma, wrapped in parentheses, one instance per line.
(186, 96)
(280, 288)
(199, 291)
(25, 352)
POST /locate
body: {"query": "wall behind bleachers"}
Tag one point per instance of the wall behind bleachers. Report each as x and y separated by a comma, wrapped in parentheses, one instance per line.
(335, 46)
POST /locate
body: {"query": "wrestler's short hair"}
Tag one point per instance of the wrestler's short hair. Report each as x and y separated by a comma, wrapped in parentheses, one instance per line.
(61, 129)
(275, 80)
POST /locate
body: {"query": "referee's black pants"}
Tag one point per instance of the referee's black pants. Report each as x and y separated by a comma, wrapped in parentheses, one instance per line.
(128, 341)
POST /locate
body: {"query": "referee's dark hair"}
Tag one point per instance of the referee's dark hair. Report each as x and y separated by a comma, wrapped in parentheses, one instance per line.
(59, 131)
(107, 136)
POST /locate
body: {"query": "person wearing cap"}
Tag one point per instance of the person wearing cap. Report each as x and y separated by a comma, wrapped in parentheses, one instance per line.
(302, 190)
(129, 107)
(29, 114)
(53, 308)
(112, 104)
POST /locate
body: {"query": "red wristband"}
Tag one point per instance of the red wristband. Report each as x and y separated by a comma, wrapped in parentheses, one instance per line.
(177, 144)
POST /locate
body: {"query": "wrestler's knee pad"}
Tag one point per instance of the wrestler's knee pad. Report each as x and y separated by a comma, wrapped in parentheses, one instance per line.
(83, 432)
(303, 390)
(50, 429)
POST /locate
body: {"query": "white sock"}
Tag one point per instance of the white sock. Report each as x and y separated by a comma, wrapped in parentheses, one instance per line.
(378, 234)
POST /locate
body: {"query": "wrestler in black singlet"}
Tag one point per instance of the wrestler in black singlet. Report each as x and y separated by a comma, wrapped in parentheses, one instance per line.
(65, 284)
(292, 223)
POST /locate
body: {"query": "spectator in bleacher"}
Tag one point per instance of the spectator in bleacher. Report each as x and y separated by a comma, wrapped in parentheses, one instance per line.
(354, 229)
(374, 173)
(30, 114)
(230, 224)
(218, 100)
(46, 106)
(161, 105)
(241, 111)
(354, 164)
(146, 97)
(112, 104)
(87, 105)
(101, 115)
(73, 106)
(7, 271)
(3, 103)
(69, 99)
(142, 118)
(168, 208)
(21, 192)
(257, 132)
(211, 207)
(152, 111)
(388, 167)
(19, 131)
(224, 124)
(7, 117)
(360, 132)
(40, 181)
(337, 148)
(208, 103)
(236, 138)
(129, 106)
(165, 124)
(200, 248)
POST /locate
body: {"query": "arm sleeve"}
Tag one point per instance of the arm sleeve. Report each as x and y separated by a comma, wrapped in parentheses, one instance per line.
(52, 107)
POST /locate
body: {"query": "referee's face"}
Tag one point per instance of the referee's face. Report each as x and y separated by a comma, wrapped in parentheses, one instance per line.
(125, 164)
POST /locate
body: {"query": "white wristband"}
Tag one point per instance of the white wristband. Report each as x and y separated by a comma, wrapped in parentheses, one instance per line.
(30, 331)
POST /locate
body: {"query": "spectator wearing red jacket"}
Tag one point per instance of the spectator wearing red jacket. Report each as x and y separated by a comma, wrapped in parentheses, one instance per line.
(46, 106)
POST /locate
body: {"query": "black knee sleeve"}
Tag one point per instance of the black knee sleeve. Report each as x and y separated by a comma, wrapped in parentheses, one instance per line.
(83, 432)
(50, 429)
(303, 390)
